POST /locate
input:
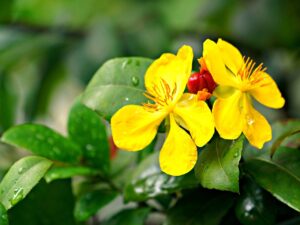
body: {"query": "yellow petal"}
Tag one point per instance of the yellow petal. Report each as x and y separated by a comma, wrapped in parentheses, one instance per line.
(256, 127)
(175, 70)
(216, 65)
(231, 56)
(133, 127)
(196, 117)
(179, 153)
(222, 91)
(266, 90)
(228, 116)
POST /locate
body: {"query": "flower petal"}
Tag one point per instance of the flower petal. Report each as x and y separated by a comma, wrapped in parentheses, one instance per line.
(222, 91)
(216, 65)
(231, 56)
(266, 90)
(179, 153)
(228, 116)
(196, 117)
(133, 127)
(175, 70)
(256, 127)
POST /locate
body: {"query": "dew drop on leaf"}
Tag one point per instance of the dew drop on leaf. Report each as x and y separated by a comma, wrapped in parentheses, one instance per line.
(135, 80)
(18, 196)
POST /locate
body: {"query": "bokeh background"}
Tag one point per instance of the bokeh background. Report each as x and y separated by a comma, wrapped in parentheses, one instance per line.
(50, 49)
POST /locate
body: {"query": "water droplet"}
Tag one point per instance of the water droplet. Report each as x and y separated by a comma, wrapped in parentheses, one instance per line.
(135, 80)
(40, 137)
(18, 196)
(236, 154)
(55, 150)
(89, 147)
(126, 99)
(20, 170)
(125, 63)
(250, 120)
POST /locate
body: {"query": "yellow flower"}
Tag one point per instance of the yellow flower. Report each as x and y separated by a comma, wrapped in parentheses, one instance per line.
(134, 127)
(239, 81)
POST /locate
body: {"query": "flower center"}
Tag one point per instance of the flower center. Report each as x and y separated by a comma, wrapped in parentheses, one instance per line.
(247, 70)
(162, 95)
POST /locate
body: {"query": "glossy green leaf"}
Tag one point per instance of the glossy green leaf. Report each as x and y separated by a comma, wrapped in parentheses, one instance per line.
(280, 176)
(21, 178)
(46, 204)
(282, 131)
(89, 203)
(118, 82)
(218, 164)
(3, 215)
(200, 207)
(254, 206)
(148, 181)
(86, 128)
(43, 141)
(129, 217)
(63, 172)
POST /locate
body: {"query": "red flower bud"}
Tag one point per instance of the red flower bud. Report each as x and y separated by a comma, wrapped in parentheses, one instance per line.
(201, 81)
(113, 148)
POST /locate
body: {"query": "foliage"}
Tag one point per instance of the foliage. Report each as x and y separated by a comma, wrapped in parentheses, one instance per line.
(70, 172)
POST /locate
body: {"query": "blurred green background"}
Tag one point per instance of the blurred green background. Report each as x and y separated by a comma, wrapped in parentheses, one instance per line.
(50, 49)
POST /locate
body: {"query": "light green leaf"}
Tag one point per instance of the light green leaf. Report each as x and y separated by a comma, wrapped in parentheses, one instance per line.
(87, 130)
(218, 164)
(118, 82)
(21, 178)
(43, 141)
(68, 172)
(148, 181)
(280, 176)
(89, 203)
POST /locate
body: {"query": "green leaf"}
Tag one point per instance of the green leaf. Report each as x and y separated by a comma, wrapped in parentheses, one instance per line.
(87, 130)
(68, 172)
(21, 178)
(282, 131)
(89, 203)
(218, 164)
(46, 204)
(200, 207)
(118, 82)
(148, 181)
(280, 176)
(129, 217)
(3, 215)
(254, 206)
(42, 141)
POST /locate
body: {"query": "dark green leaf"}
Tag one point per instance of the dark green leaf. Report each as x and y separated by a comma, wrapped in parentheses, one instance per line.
(254, 206)
(218, 164)
(3, 215)
(89, 203)
(281, 132)
(21, 178)
(201, 207)
(129, 217)
(148, 181)
(281, 176)
(67, 172)
(7, 99)
(117, 83)
(43, 141)
(46, 204)
(86, 128)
